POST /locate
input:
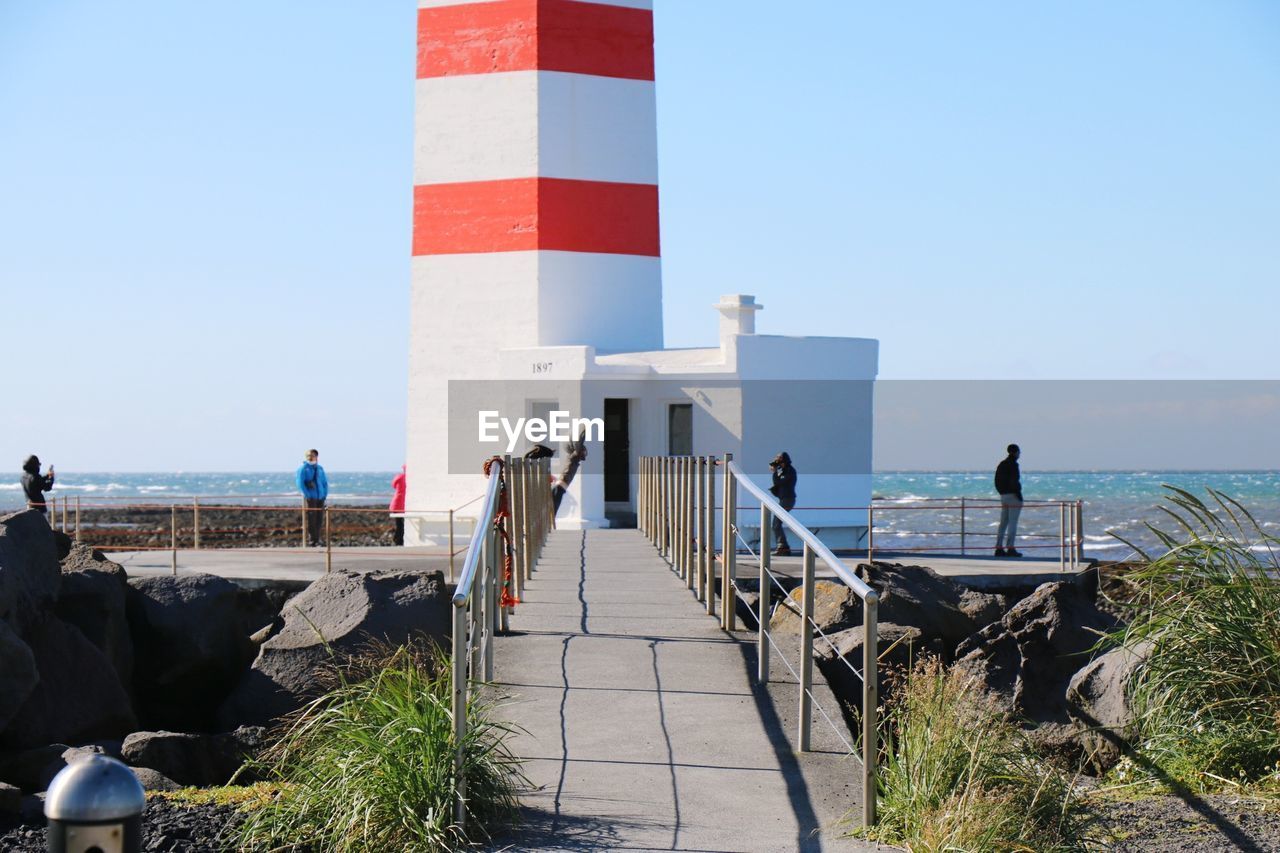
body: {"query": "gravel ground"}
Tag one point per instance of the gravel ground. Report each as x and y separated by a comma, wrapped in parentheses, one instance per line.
(167, 826)
(1218, 822)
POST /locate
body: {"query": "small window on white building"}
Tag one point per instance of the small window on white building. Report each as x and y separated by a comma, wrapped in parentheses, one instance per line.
(680, 429)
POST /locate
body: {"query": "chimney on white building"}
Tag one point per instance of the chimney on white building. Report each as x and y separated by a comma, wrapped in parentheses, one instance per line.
(737, 315)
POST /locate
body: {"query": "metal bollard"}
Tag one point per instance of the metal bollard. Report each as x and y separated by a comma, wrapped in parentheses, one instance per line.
(95, 805)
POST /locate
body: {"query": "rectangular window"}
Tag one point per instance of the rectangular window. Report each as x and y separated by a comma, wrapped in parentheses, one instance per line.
(680, 429)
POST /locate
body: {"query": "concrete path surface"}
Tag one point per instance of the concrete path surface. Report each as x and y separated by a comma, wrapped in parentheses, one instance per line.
(643, 728)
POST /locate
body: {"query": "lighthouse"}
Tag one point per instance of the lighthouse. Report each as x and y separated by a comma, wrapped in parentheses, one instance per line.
(536, 272)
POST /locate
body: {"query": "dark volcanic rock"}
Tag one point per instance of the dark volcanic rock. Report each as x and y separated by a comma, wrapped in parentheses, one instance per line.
(839, 659)
(1098, 701)
(917, 596)
(10, 799)
(92, 598)
(31, 770)
(1029, 656)
(154, 780)
(339, 614)
(909, 595)
(193, 759)
(835, 608)
(79, 697)
(191, 642)
(18, 673)
(167, 827)
(983, 607)
(29, 572)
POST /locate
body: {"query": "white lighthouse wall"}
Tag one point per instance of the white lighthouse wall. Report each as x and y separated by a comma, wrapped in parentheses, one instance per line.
(610, 302)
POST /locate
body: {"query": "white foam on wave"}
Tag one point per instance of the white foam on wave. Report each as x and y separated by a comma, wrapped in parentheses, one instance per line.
(10, 487)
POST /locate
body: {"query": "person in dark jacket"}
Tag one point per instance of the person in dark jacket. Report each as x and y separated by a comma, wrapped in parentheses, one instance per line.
(784, 489)
(1009, 485)
(34, 484)
(315, 488)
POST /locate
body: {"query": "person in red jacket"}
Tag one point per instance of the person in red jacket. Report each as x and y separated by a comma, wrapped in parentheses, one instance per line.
(397, 504)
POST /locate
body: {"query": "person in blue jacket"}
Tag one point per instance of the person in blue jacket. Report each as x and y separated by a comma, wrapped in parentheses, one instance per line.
(315, 488)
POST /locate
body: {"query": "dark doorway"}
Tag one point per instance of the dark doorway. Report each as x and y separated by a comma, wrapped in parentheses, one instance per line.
(617, 451)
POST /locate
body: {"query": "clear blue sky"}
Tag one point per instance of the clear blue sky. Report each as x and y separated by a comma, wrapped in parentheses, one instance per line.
(205, 210)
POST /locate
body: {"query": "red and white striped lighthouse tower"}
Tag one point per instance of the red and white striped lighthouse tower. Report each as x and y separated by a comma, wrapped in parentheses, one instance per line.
(535, 201)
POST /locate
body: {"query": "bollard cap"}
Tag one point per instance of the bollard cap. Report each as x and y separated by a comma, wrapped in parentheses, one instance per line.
(93, 789)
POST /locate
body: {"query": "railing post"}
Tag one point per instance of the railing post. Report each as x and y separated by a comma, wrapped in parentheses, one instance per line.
(64, 515)
(451, 549)
(492, 576)
(710, 557)
(700, 526)
(1062, 536)
(459, 710)
(195, 524)
(806, 650)
(728, 598)
(173, 538)
(963, 540)
(871, 526)
(304, 523)
(77, 518)
(526, 522)
(870, 706)
(690, 521)
(1079, 531)
(516, 506)
(762, 641)
(678, 551)
(328, 544)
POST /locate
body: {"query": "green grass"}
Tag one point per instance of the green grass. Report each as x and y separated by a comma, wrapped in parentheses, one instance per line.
(1208, 695)
(370, 765)
(959, 775)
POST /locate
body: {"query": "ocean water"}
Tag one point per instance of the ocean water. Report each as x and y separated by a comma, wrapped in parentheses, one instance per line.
(1116, 504)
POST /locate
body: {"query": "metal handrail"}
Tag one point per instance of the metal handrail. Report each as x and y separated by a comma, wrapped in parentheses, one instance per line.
(676, 510)
(807, 536)
(515, 519)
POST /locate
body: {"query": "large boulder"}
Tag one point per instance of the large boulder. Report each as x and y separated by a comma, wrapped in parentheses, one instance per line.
(191, 642)
(193, 759)
(79, 697)
(839, 659)
(909, 595)
(835, 608)
(983, 607)
(18, 673)
(93, 598)
(29, 572)
(1028, 657)
(340, 614)
(918, 596)
(1099, 702)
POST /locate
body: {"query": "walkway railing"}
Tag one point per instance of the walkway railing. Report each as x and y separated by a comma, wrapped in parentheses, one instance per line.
(237, 521)
(514, 520)
(676, 510)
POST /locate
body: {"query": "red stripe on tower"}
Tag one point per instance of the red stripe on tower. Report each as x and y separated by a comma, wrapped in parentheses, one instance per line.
(535, 35)
(527, 214)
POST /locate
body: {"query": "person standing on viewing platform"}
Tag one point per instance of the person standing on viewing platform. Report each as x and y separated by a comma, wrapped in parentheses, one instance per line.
(34, 484)
(784, 489)
(1009, 485)
(315, 488)
(398, 488)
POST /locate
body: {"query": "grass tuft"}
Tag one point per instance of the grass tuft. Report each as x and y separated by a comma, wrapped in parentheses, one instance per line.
(958, 775)
(369, 766)
(1207, 698)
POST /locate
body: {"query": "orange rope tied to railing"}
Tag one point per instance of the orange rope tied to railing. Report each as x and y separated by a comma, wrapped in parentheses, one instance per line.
(499, 519)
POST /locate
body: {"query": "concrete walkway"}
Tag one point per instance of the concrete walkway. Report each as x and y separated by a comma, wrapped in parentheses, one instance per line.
(642, 726)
